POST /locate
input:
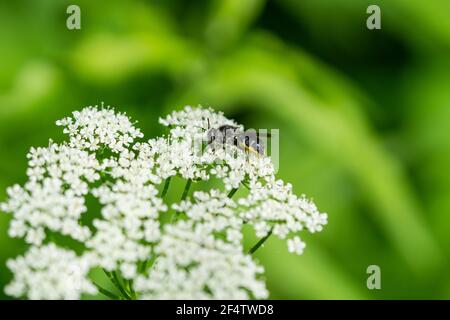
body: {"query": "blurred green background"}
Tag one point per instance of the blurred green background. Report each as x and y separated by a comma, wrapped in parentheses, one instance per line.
(364, 116)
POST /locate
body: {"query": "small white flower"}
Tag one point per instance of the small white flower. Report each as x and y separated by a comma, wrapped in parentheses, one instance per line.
(296, 245)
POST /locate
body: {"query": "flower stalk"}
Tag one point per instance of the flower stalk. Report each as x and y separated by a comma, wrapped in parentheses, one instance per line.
(166, 187)
(106, 292)
(260, 243)
(186, 189)
(113, 277)
(232, 192)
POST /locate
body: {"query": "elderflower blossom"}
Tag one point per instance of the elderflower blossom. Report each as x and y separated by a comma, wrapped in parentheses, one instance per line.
(197, 255)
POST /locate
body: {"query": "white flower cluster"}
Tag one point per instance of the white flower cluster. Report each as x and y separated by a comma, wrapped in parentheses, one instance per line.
(53, 197)
(270, 206)
(274, 207)
(93, 129)
(198, 256)
(194, 264)
(187, 129)
(49, 272)
(215, 212)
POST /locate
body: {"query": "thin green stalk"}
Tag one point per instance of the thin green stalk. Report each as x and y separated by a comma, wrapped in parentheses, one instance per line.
(186, 189)
(121, 288)
(183, 197)
(259, 243)
(107, 293)
(245, 185)
(146, 264)
(143, 266)
(232, 192)
(131, 289)
(166, 187)
(112, 276)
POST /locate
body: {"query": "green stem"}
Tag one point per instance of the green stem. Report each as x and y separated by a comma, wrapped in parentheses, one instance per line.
(245, 185)
(107, 293)
(183, 197)
(115, 280)
(163, 193)
(232, 192)
(131, 289)
(186, 189)
(143, 266)
(146, 264)
(121, 288)
(259, 243)
(166, 187)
